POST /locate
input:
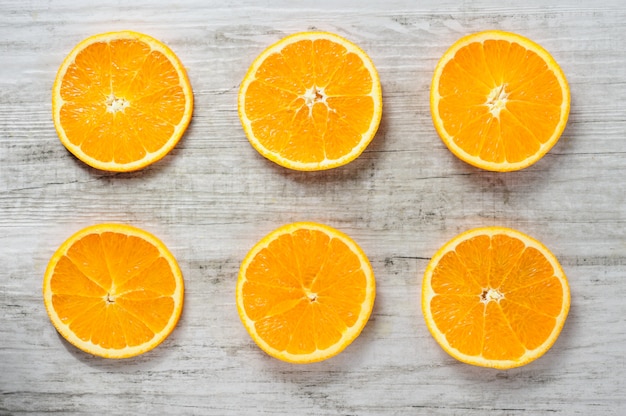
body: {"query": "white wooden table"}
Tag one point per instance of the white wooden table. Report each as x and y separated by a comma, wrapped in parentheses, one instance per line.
(213, 197)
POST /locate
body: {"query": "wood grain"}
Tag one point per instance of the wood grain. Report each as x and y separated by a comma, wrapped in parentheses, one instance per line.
(213, 197)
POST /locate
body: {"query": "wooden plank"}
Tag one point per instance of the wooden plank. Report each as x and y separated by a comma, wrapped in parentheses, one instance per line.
(213, 197)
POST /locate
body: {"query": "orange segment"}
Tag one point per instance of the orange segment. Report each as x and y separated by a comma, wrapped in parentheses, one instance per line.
(311, 101)
(113, 290)
(495, 297)
(305, 292)
(499, 101)
(121, 101)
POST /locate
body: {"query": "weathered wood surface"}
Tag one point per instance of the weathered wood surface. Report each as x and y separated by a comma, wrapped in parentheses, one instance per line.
(213, 197)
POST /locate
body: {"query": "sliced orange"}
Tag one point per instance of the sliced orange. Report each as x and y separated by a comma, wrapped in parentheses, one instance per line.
(113, 290)
(121, 101)
(311, 101)
(305, 292)
(499, 101)
(495, 297)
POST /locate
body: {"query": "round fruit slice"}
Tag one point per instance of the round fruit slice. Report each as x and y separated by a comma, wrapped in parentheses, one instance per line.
(305, 292)
(495, 297)
(113, 290)
(311, 101)
(499, 101)
(121, 101)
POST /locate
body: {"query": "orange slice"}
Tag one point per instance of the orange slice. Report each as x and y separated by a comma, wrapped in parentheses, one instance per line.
(311, 101)
(113, 290)
(121, 101)
(499, 101)
(305, 292)
(495, 297)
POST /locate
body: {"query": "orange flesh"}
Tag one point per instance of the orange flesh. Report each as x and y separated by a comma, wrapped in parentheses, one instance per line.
(506, 70)
(339, 109)
(121, 100)
(302, 297)
(495, 306)
(113, 290)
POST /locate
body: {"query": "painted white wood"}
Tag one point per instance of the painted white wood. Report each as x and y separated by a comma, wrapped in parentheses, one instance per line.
(213, 197)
